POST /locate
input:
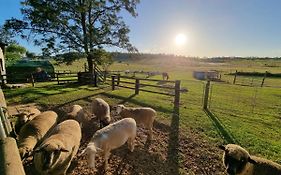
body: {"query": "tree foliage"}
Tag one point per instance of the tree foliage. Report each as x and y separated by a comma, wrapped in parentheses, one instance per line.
(75, 25)
(14, 52)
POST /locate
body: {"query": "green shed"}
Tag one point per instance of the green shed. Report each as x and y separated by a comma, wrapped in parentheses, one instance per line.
(21, 70)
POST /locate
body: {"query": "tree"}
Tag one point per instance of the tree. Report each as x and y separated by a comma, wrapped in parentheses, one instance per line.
(6, 36)
(104, 59)
(75, 25)
(14, 52)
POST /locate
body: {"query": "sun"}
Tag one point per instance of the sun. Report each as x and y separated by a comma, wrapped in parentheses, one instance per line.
(180, 39)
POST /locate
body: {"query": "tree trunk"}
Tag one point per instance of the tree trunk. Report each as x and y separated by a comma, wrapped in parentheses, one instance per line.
(90, 63)
(92, 70)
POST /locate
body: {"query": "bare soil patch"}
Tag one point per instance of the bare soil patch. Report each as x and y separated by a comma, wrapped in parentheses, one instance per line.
(170, 153)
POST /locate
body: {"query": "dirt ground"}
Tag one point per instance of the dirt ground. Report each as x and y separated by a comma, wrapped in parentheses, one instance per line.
(169, 153)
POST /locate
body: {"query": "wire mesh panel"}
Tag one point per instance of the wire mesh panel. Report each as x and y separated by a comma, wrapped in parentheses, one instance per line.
(245, 99)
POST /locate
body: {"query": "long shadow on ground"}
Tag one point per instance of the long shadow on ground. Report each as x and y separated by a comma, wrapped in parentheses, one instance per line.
(222, 131)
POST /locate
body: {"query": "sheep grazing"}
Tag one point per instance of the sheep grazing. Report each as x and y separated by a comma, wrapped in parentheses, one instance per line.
(24, 116)
(54, 155)
(77, 113)
(239, 162)
(101, 110)
(143, 115)
(109, 138)
(33, 131)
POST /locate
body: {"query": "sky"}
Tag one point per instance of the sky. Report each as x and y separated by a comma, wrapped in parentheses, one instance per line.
(211, 27)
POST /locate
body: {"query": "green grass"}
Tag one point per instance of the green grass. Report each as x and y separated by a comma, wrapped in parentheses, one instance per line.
(249, 116)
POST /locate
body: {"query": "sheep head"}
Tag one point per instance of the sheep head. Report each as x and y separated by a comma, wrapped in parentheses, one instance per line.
(118, 109)
(49, 154)
(90, 152)
(235, 158)
(24, 117)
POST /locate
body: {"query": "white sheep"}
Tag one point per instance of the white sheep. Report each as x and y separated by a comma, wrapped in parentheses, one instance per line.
(54, 155)
(77, 113)
(109, 138)
(239, 162)
(101, 110)
(33, 131)
(25, 115)
(143, 115)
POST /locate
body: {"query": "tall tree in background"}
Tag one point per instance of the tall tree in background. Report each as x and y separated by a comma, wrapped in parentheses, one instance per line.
(14, 52)
(78, 25)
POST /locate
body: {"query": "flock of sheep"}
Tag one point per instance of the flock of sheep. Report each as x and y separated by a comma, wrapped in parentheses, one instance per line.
(53, 145)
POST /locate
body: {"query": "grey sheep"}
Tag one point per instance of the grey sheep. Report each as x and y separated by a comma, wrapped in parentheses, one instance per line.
(101, 110)
(143, 115)
(54, 155)
(239, 162)
(32, 132)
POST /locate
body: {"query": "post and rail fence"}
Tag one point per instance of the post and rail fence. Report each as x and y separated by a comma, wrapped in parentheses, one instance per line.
(120, 81)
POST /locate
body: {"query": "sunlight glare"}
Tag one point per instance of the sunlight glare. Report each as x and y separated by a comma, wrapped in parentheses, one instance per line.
(180, 39)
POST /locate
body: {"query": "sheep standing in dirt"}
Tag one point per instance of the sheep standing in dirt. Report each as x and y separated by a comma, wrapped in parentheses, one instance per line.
(33, 131)
(239, 162)
(24, 116)
(101, 110)
(77, 113)
(143, 116)
(109, 138)
(54, 155)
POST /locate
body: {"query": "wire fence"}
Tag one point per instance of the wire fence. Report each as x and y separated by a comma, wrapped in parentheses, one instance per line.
(245, 99)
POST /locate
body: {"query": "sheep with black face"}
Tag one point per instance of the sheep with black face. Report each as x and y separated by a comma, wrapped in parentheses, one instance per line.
(239, 162)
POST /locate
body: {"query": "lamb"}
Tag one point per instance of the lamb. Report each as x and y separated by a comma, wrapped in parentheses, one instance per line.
(54, 155)
(239, 162)
(24, 116)
(109, 138)
(34, 131)
(101, 110)
(143, 115)
(77, 113)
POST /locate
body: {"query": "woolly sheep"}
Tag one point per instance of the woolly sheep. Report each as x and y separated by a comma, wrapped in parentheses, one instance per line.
(54, 155)
(109, 138)
(77, 113)
(32, 132)
(239, 162)
(25, 115)
(143, 115)
(101, 110)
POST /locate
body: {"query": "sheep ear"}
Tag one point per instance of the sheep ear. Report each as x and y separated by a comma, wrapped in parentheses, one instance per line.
(62, 149)
(99, 149)
(222, 147)
(28, 116)
(251, 160)
(37, 150)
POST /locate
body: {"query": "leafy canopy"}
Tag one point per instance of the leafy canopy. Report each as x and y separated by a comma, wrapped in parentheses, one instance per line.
(75, 25)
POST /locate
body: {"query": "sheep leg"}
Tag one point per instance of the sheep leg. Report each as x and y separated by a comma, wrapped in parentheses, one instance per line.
(106, 157)
(131, 143)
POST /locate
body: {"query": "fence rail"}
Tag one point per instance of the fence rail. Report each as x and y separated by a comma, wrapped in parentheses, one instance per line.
(118, 81)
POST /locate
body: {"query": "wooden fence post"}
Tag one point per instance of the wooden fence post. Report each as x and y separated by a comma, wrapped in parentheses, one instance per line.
(234, 80)
(85, 67)
(177, 94)
(32, 80)
(10, 161)
(206, 95)
(263, 78)
(118, 79)
(113, 82)
(137, 86)
(58, 78)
